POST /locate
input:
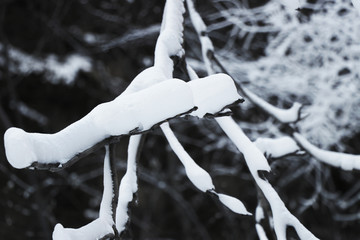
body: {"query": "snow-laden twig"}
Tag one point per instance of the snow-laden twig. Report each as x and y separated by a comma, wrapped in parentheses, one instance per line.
(290, 115)
(198, 176)
(259, 215)
(128, 184)
(344, 161)
(101, 227)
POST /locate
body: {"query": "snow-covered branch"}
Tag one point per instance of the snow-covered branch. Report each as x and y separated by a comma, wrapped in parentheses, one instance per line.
(128, 114)
(102, 227)
(198, 176)
(257, 162)
(344, 161)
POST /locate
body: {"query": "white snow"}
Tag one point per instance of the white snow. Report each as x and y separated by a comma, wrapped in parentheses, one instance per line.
(283, 115)
(213, 93)
(233, 204)
(142, 110)
(277, 147)
(345, 161)
(128, 185)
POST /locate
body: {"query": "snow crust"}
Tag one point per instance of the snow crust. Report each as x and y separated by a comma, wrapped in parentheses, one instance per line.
(345, 161)
(277, 147)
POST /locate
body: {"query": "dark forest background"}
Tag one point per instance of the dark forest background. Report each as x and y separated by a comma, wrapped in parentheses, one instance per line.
(112, 42)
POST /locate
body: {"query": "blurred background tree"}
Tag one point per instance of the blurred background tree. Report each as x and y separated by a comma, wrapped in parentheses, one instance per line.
(59, 59)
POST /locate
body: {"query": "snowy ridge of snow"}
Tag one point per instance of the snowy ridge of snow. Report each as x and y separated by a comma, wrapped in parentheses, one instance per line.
(101, 226)
(277, 147)
(345, 161)
(290, 115)
(128, 185)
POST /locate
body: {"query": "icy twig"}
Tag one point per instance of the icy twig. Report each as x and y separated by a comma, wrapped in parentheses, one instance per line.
(290, 115)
